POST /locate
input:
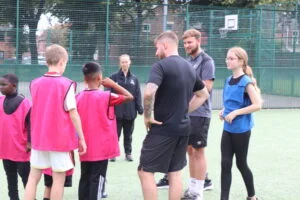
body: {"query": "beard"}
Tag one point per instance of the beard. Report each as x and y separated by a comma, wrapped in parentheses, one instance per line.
(161, 55)
(193, 51)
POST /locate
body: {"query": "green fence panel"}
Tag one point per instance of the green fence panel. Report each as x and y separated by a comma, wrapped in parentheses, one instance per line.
(103, 30)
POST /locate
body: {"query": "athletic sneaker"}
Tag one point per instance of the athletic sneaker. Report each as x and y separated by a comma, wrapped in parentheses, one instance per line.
(112, 160)
(190, 196)
(103, 191)
(163, 183)
(249, 198)
(208, 185)
(104, 194)
(128, 157)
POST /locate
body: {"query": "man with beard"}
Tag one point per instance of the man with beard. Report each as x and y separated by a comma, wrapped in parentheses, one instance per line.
(164, 148)
(200, 118)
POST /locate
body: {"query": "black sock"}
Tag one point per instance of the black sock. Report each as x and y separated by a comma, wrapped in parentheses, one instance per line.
(46, 199)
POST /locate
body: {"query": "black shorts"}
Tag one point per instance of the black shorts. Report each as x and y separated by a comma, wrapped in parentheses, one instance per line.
(48, 181)
(163, 153)
(199, 131)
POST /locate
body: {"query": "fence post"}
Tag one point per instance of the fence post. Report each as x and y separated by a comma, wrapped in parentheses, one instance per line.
(106, 33)
(211, 21)
(70, 46)
(258, 45)
(17, 31)
(187, 19)
(295, 36)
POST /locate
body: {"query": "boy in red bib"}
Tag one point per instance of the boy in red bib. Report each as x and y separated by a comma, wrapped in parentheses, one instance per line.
(14, 134)
(54, 119)
(96, 109)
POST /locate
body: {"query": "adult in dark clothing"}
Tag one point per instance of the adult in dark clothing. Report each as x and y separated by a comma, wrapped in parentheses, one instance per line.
(127, 112)
(177, 90)
(14, 134)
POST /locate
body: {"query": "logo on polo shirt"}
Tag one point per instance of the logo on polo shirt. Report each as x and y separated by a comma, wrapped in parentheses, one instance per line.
(132, 82)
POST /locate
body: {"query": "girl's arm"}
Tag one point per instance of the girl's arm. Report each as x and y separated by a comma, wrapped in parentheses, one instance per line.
(256, 104)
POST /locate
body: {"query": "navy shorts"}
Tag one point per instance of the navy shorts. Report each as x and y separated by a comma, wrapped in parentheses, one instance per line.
(163, 153)
(199, 131)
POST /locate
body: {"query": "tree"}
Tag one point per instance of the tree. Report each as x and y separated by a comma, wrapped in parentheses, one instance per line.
(88, 24)
(30, 12)
(232, 3)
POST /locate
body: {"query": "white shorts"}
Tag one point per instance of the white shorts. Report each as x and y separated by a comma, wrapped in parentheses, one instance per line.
(58, 161)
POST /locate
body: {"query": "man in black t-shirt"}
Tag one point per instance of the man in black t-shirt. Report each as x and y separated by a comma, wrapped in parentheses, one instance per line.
(177, 90)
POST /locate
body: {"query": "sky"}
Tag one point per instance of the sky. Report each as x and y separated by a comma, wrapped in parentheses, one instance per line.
(46, 21)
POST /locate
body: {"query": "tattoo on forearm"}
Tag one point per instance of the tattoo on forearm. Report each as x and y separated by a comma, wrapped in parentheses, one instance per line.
(148, 99)
(147, 107)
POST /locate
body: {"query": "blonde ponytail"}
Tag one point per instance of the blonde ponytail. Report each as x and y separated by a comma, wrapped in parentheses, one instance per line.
(248, 71)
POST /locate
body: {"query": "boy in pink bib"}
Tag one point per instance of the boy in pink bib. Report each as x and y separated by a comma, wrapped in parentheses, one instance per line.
(96, 109)
(54, 124)
(14, 134)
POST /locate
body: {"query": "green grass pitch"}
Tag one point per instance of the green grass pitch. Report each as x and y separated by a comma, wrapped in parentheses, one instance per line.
(273, 157)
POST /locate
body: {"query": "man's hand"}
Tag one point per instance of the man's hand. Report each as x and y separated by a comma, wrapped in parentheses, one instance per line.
(149, 121)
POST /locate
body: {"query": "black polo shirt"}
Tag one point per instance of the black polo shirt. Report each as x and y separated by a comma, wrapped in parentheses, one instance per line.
(176, 80)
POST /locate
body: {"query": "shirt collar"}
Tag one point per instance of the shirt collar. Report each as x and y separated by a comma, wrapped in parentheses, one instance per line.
(52, 74)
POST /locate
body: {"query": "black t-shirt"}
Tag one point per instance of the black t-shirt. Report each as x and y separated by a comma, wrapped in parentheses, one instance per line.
(176, 80)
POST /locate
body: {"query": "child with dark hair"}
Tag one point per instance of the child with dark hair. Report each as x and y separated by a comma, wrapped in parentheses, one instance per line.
(14, 134)
(96, 110)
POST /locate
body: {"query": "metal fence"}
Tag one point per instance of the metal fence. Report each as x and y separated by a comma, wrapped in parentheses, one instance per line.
(103, 30)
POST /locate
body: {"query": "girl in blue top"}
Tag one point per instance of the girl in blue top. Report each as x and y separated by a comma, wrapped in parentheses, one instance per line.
(241, 97)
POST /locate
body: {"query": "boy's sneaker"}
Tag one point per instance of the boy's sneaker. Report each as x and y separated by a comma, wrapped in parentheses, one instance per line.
(163, 183)
(128, 157)
(103, 191)
(190, 196)
(104, 194)
(251, 198)
(112, 160)
(208, 185)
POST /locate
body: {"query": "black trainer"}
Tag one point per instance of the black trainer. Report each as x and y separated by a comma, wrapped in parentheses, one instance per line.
(112, 160)
(163, 183)
(208, 185)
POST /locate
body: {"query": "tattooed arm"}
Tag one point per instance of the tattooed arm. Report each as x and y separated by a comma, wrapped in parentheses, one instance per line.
(149, 94)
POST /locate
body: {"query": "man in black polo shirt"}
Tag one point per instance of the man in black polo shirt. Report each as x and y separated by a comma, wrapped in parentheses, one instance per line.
(177, 90)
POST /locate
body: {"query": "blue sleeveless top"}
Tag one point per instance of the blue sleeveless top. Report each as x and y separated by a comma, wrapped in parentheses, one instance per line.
(234, 97)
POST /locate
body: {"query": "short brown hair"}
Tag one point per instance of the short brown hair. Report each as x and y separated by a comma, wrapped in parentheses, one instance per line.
(54, 53)
(167, 35)
(191, 33)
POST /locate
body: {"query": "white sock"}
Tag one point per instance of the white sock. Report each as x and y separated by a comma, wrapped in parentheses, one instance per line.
(198, 188)
(192, 184)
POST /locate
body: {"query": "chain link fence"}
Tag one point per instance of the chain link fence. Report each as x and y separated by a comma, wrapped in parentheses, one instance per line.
(103, 30)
